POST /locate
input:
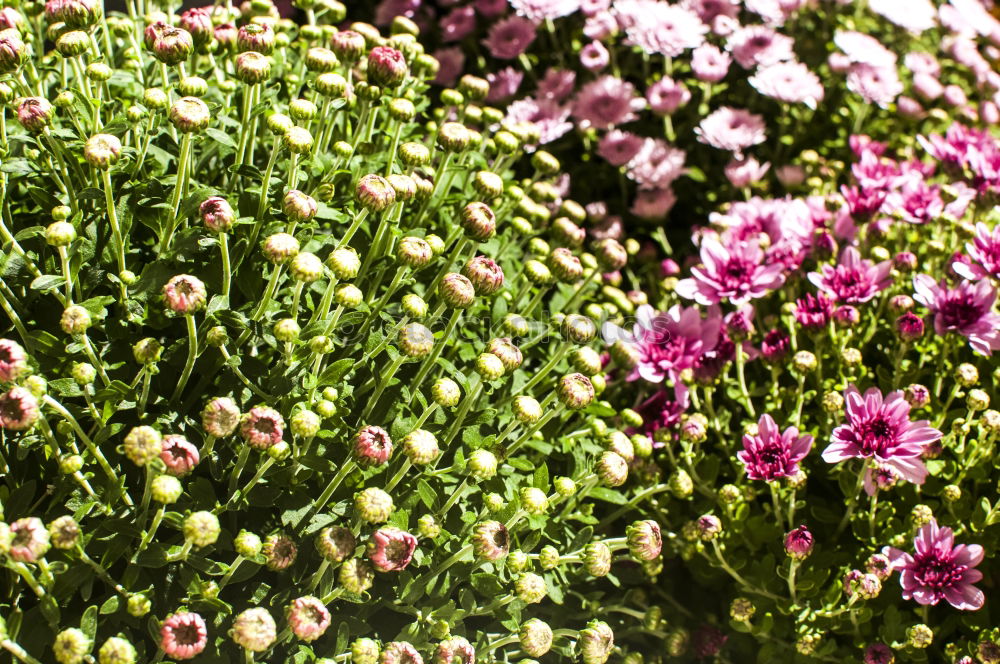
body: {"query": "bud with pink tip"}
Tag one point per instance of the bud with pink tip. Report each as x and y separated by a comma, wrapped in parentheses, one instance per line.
(391, 549)
(220, 417)
(485, 274)
(30, 540)
(375, 193)
(190, 114)
(183, 635)
(372, 446)
(490, 540)
(184, 294)
(308, 618)
(102, 151)
(799, 543)
(217, 215)
(198, 22)
(13, 360)
(386, 67)
(348, 45)
(225, 34)
(262, 427)
(478, 221)
(257, 37)
(34, 113)
(178, 455)
(12, 50)
(298, 206)
(400, 652)
(173, 46)
(644, 539)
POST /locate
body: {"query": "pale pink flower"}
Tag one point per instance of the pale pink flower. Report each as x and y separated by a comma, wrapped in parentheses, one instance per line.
(744, 172)
(601, 25)
(709, 63)
(876, 85)
(308, 618)
(594, 56)
(656, 165)
(184, 294)
(18, 409)
(503, 84)
(864, 49)
(653, 204)
(919, 62)
(915, 16)
(790, 82)
(618, 147)
(551, 119)
(262, 427)
(30, 540)
(759, 45)
(557, 84)
(509, 37)
(659, 27)
(667, 95)
(606, 102)
(732, 129)
(709, 10)
(541, 10)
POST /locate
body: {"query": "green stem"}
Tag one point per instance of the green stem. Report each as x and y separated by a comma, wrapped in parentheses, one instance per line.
(431, 359)
(179, 186)
(192, 354)
(740, 361)
(384, 383)
(324, 497)
(227, 274)
(358, 218)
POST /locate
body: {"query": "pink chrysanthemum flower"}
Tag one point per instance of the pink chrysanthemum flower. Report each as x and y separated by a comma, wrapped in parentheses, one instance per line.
(660, 416)
(771, 454)
(729, 128)
(457, 24)
(861, 48)
(660, 27)
(308, 618)
(30, 540)
(13, 360)
(262, 427)
(391, 549)
(656, 165)
(667, 95)
(984, 250)
(915, 16)
(757, 45)
(551, 119)
(503, 84)
(880, 429)
(813, 312)
(939, 569)
(735, 273)
(790, 82)
(606, 102)
(876, 85)
(709, 63)
(653, 204)
(452, 62)
(183, 635)
(853, 280)
(541, 10)
(18, 409)
(557, 84)
(667, 343)
(744, 172)
(966, 309)
(617, 147)
(178, 455)
(510, 37)
(709, 10)
(594, 56)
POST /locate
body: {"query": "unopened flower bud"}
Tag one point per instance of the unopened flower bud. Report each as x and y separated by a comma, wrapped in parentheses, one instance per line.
(966, 375)
(190, 114)
(298, 140)
(446, 392)
(535, 637)
(612, 469)
(799, 543)
(575, 391)
(201, 529)
(919, 636)
(490, 540)
(453, 137)
(299, 207)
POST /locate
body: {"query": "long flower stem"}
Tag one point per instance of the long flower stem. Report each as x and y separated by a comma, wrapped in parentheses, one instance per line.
(432, 358)
(227, 274)
(324, 497)
(116, 230)
(175, 203)
(192, 329)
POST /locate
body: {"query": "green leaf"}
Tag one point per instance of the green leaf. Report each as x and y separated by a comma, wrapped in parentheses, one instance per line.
(540, 479)
(221, 136)
(607, 495)
(426, 493)
(333, 373)
(486, 584)
(110, 606)
(89, 622)
(48, 282)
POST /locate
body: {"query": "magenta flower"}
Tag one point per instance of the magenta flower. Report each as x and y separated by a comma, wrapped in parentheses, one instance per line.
(984, 250)
(771, 454)
(853, 280)
(606, 102)
(667, 343)
(966, 309)
(183, 635)
(660, 416)
(735, 273)
(557, 84)
(618, 147)
(667, 95)
(510, 37)
(732, 129)
(881, 429)
(938, 569)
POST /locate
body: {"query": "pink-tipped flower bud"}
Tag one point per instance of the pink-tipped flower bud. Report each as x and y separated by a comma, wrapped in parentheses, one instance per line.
(535, 637)
(485, 274)
(29, 540)
(910, 326)
(252, 67)
(184, 294)
(565, 265)
(183, 635)
(400, 652)
(279, 551)
(12, 50)
(387, 67)
(414, 252)
(308, 618)
(262, 427)
(189, 115)
(280, 248)
(478, 221)
(416, 340)
(34, 113)
(348, 45)
(254, 630)
(575, 391)
(13, 360)
(336, 543)
(220, 417)
(257, 37)
(596, 642)
(372, 446)
(457, 291)
(178, 455)
(198, 22)
(391, 549)
(490, 540)
(173, 46)
(799, 543)
(505, 349)
(375, 193)
(217, 215)
(18, 409)
(644, 539)
(74, 13)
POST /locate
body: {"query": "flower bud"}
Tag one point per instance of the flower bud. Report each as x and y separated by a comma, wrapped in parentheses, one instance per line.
(453, 137)
(372, 446)
(375, 193)
(457, 291)
(142, 445)
(565, 265)
(799, 543)
(644, 539)
(297, 206)
(217, 215)
(596, 642)
(257, 37)
(116, 650)
(254, 630)
(534, 501)
(414, 306)
(348, 45)
(428, 527)
(485, 274)
(138, 605)
(298, 140)
(414, 252)
(286, 330)
(478, 221)
(34, 113)
(919, 636)
(190, 114)
(575, 391)
(535, 637)
(421, 447)
(75, 320)
(349, 295)
(966, 374)
(446, 392)
(490, 540)
(414, 154)
(173, 46)
(612, 469)
(201, 529)
(373, 505)
(71, 646)
(804, 361)
(481, 465)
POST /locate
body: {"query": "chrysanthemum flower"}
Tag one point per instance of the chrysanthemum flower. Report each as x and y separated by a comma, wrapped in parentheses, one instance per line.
(966, 309)
(853, 280)
(939, 569)
(183, 635)
(771, 454)
(729, 128)
(737, 273)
